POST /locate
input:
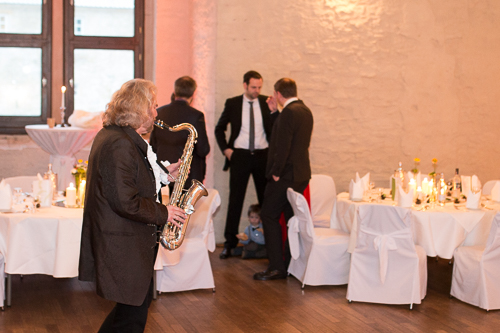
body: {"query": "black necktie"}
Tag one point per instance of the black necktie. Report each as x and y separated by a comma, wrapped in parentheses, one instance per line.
(251, 145)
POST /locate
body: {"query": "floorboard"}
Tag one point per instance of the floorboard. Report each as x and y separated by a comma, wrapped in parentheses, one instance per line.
(44, 304)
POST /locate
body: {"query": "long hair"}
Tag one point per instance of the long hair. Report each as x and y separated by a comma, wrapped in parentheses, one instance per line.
(130, 105)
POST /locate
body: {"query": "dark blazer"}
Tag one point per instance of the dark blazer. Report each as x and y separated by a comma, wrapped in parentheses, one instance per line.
(289, 148)
(232, 115)
(120, 217)
(170, 145)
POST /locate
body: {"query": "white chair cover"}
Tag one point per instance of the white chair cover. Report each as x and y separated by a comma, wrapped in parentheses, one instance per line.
(386, 266)
(319, 255)
(476, 271)
(323, 200)
(193, 269)
(24, 182)
(488, 186)
(2, 280)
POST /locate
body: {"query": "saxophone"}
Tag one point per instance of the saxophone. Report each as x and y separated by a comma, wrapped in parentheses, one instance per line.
(172, 236)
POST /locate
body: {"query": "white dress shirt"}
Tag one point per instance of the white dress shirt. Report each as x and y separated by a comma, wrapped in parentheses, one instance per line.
(243, 139)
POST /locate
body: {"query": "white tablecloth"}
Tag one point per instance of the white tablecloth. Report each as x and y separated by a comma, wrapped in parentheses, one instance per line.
(439, 230)
(46, 242)
(62, 143)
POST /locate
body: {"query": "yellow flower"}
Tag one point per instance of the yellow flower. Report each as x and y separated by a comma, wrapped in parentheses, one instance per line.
(434, 160)
(80, 161)
(416, 159)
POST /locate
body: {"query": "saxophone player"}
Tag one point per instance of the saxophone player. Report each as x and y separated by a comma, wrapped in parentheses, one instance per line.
(121, 214)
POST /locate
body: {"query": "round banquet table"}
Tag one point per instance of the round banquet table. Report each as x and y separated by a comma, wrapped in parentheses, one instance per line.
(61, 143)
(439, 230)
(44, 242)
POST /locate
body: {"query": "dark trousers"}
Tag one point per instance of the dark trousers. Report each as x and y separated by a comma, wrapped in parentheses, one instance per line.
(243, 164)
(275, 203)
(128, 318)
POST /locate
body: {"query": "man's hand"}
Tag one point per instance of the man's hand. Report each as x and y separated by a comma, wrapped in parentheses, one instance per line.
(176, 215)
(228, 152)
(272, 103)
(173, 169)
(276, 178)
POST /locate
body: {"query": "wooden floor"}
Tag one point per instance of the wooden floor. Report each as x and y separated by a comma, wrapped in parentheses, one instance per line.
(45, 304)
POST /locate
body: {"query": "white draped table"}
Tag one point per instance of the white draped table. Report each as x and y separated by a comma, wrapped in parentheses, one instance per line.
(45, 242)
(439, 230)
(62, 143)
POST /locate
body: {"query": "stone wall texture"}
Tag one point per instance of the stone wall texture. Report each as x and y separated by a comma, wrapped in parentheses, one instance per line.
(386, 80)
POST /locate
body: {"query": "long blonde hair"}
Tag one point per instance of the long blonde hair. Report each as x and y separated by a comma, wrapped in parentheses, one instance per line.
(130, 106)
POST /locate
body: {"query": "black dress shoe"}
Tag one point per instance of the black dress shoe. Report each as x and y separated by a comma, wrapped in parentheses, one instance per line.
(270, 275)
(226, 253)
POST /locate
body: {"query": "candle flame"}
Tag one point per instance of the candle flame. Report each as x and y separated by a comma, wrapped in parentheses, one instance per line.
(63, 89)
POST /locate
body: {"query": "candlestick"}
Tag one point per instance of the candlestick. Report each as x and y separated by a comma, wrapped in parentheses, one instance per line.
(63, 90)
(71, 196)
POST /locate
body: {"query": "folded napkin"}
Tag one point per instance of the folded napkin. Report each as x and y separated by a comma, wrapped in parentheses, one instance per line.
(365, 179)
(42, 188)
(356, 190)
(475, 182)
(404, 199)
(5, 196)
(84, 119)
(473, 200)
(495, 192)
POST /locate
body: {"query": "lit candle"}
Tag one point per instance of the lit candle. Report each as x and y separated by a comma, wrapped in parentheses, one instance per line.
(63, 90)
(71, 195)
(418, 194)
(412, 186)
(425, 186)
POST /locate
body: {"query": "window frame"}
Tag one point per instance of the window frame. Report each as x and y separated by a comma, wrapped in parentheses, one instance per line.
(72, 42)
(43, 41)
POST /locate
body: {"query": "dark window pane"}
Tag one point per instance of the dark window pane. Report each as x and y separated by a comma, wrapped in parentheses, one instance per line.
(98, 74)
(21, 16)
(105, 18)
(21, 81)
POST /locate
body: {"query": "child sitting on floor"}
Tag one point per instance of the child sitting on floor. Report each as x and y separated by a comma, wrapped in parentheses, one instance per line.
(253, 236)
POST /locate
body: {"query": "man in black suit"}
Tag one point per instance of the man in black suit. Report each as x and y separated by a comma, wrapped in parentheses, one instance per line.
(246, 150)
(121, 215)
(170, 145)
(287, 166)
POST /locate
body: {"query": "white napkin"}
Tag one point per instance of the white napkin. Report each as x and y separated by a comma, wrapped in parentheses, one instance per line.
(356, 190)
(465, 184)
(84, 119)
(5, 196)
(473, 200)
(365, 179)
(42, 188)
(404, 199)
(475, 182)
(495, 192)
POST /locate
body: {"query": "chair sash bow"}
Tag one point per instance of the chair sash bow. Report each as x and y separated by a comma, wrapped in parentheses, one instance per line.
(384, 243)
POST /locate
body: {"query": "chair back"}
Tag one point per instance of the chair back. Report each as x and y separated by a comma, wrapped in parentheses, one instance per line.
(384, 229)
(24, 182)
(488, 186)
(201, 222)
(323, 199)
(493, 242)
(300, 224)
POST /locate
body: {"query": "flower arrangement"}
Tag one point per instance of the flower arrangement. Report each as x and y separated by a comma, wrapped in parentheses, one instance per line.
(416, 160)
(434, 166)
(80, 172)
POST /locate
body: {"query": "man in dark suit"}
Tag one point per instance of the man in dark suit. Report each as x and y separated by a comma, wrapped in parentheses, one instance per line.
(121, 214)
(246, 150)
(287, 166)
(170, 145)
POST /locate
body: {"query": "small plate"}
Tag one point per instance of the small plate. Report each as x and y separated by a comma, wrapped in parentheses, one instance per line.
(356, 200)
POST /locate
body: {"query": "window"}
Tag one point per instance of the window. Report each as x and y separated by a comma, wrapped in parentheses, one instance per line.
(103, 48)
(25, 50)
